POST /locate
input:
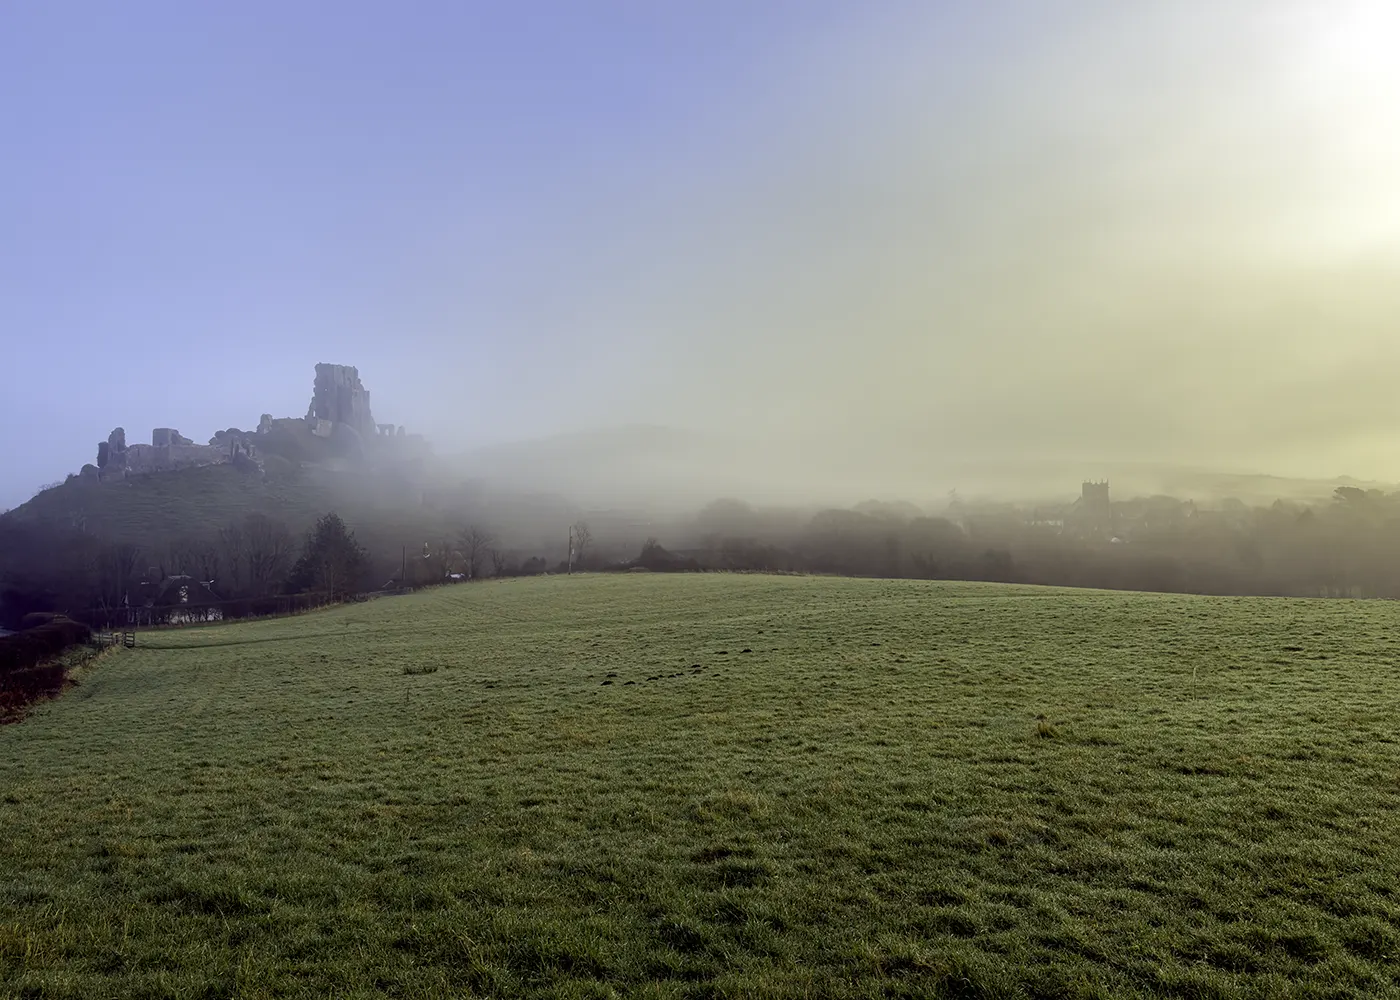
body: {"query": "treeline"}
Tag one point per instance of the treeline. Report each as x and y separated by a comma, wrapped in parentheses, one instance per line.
(256, 561)
(250, 567)
(1349, 547)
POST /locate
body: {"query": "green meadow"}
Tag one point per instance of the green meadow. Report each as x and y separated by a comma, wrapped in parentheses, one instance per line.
(718, 786)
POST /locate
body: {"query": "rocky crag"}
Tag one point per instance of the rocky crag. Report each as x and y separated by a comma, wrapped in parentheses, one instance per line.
(339, 416)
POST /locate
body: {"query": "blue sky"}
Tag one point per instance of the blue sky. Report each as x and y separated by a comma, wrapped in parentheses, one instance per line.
(201, 201)
(1159, 231)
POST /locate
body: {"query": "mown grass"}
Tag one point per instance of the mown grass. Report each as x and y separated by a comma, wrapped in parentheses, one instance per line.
(719, 786)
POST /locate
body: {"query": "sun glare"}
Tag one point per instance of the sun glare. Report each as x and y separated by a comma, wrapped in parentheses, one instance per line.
(1345, 62)
(1353, 57)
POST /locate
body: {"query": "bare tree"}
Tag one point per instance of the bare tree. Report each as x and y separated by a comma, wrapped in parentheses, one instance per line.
(500, 562)
(196, 557)
(257, 556)
(474, 543)
(583, 538)
(172, 559)
(269, 548)
(437, 560)
(116, 571)
(232, 546)
(205, 562)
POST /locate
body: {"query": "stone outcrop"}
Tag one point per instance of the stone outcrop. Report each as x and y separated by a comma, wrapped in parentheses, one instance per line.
(340, 398)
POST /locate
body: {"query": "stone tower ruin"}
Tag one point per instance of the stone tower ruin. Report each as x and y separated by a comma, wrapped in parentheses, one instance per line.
(339, 398)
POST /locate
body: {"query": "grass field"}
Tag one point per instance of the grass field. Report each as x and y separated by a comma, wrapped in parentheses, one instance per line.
(715, 785)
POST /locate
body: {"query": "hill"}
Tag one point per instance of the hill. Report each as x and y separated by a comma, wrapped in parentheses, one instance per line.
(171, 491)
(189, 501)
(718, 785)
(387, 510)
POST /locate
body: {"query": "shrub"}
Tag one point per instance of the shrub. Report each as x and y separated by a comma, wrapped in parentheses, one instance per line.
(657, 559)
(26, 685)
(33, 646)
(37, 618)
(27, 672)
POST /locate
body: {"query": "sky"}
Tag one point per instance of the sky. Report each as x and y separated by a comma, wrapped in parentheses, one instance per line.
(846, 232)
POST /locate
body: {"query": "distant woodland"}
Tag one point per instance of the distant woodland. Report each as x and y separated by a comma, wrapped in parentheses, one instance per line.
(1348, 547)
(54, 560)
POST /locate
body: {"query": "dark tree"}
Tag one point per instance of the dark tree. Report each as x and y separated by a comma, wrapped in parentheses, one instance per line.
(332, 561)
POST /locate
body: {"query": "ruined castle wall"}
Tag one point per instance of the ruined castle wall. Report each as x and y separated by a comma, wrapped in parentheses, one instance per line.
(339, 416)
(162, 436)
(158, 458)
(195, 454)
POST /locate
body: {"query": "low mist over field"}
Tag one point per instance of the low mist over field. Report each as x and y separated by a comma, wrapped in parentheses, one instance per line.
(748, 498)
(824, 251)
(663, 469)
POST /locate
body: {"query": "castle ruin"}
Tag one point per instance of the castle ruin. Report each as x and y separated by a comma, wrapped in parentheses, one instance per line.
(338, 397)
(339, 409)
(169, 449)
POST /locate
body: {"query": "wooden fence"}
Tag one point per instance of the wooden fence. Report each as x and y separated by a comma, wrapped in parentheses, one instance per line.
(162, 616)
(126, 638)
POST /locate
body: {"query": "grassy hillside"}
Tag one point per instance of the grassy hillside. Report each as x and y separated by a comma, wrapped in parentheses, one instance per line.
(719, 786)
(200, 500)
(389, 512)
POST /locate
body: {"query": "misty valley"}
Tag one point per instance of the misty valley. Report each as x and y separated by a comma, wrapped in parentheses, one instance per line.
(240, 524)
(312, 710)
(700, 501)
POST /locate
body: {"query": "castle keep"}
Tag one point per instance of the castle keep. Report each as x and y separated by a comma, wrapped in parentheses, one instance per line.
(339, 413)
